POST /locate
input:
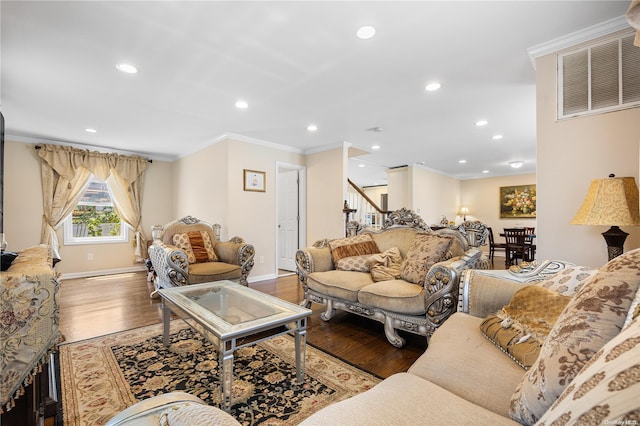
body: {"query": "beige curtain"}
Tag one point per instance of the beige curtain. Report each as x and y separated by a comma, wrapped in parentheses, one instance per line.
(633, 17)
(65, 172)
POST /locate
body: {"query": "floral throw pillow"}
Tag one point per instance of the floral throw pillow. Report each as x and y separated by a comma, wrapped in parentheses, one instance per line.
(569, 280)
(425, 251)
(606, 391)
(593, 317)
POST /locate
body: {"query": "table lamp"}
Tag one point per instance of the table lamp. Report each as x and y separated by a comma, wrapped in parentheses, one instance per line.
(611, 202)
(464, 211)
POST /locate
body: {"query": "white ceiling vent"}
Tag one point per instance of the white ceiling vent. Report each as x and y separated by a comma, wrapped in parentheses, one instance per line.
(599, 78)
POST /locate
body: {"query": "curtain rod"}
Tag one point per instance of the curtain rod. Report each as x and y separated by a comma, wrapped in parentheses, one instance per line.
(148, 161)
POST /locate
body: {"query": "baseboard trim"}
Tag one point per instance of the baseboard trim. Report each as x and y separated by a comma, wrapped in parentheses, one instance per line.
(262, 278)
(87, 274)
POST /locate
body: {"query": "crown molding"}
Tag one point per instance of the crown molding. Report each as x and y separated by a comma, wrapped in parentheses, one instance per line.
(586, 34)
(241, 138)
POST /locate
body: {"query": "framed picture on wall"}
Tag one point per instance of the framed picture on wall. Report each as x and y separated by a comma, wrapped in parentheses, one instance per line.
(518, 201)
(254, 181)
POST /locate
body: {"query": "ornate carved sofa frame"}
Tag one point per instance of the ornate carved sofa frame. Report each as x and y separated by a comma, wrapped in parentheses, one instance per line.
(235, 257)
(440, 287)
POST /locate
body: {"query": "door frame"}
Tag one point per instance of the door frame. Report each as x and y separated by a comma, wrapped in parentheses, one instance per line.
(302, 206)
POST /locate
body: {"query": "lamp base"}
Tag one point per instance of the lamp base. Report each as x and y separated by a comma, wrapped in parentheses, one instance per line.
(614, 237)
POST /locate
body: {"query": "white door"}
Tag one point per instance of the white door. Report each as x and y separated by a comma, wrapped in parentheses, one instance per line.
(288, 219)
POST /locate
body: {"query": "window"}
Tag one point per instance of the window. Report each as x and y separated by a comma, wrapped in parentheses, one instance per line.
(94, 220)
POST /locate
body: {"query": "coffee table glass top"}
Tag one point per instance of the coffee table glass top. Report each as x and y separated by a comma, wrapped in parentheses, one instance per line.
(227, 307)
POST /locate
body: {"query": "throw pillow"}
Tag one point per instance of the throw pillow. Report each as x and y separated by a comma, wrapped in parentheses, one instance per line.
(425, 251)
(606, 391)
(385, 266)
(520, 328)
(352, 253)
(196, 245)
(593, 316)
(569, 280)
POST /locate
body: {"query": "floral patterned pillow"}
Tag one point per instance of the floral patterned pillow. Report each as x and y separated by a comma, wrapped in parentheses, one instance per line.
(593, 317)
(425, 251)
(569, 280)
(352, 253)
(607, 389)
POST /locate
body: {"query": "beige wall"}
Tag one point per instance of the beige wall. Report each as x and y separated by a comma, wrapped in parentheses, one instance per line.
(434, 195)
(326, 178)
(570, 154)
(23, 215)
(399, 188)
(482, 196)
(211, 182)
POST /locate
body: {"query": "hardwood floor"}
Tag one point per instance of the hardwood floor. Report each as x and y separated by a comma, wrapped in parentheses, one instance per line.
(91, 307)
(96, 306)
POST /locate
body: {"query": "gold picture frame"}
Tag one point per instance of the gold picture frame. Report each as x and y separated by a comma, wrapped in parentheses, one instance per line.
(255, 181)
(518, 201)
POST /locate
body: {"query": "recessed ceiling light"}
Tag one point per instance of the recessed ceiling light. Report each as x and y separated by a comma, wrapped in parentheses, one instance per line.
(516, 164)
(127, 68)
(375, 146)
(366, 32)
(462, 161)
(496, 137)
(242, 104)
(432, 86)
(360, 165)
(89, 130)
(485, 171)
(312, 127)
(482, 123)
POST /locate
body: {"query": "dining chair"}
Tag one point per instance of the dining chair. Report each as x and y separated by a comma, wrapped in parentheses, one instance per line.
(530, 234)
(516, 247)
(493, 245)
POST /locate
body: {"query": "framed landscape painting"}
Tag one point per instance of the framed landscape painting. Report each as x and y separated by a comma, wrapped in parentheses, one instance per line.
(518, 201)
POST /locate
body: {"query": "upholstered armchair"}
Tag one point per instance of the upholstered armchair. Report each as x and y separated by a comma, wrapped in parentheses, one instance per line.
(188, 251)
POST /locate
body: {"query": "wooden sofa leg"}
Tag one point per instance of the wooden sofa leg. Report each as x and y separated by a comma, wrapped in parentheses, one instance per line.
(392, 335)
(329, 312)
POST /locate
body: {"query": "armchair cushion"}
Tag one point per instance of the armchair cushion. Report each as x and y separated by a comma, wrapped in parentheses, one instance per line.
(425, 251)
(197, 245)
(212, 271)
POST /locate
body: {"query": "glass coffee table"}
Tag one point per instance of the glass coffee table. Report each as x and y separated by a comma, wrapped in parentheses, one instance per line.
(224, 312)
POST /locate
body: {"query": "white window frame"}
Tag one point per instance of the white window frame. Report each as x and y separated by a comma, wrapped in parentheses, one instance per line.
(69, 239)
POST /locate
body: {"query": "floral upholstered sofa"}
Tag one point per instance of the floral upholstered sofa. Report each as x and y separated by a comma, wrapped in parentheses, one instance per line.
(404, 276)
(582, 362)
(28, 320)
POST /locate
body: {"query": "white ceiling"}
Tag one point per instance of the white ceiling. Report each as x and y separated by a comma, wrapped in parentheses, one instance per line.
(295, 63)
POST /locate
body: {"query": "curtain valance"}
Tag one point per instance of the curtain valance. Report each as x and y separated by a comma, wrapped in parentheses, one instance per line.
(66, 160)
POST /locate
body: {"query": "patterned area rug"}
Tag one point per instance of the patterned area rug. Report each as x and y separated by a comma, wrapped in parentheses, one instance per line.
(104, 375)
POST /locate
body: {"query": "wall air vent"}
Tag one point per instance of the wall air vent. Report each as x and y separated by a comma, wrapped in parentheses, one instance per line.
(600, 78)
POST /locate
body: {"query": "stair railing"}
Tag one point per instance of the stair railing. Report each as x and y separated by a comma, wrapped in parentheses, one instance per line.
(367, 213)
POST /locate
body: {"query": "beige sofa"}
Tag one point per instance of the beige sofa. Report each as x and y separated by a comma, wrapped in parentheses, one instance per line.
(587, 372)
(415, 294)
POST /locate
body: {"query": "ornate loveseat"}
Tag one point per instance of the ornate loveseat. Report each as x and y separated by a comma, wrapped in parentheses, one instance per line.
(410, 284)
(187, 251)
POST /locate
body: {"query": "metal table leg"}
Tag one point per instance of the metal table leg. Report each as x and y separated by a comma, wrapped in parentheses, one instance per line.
(225, 359)
(301, 345)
